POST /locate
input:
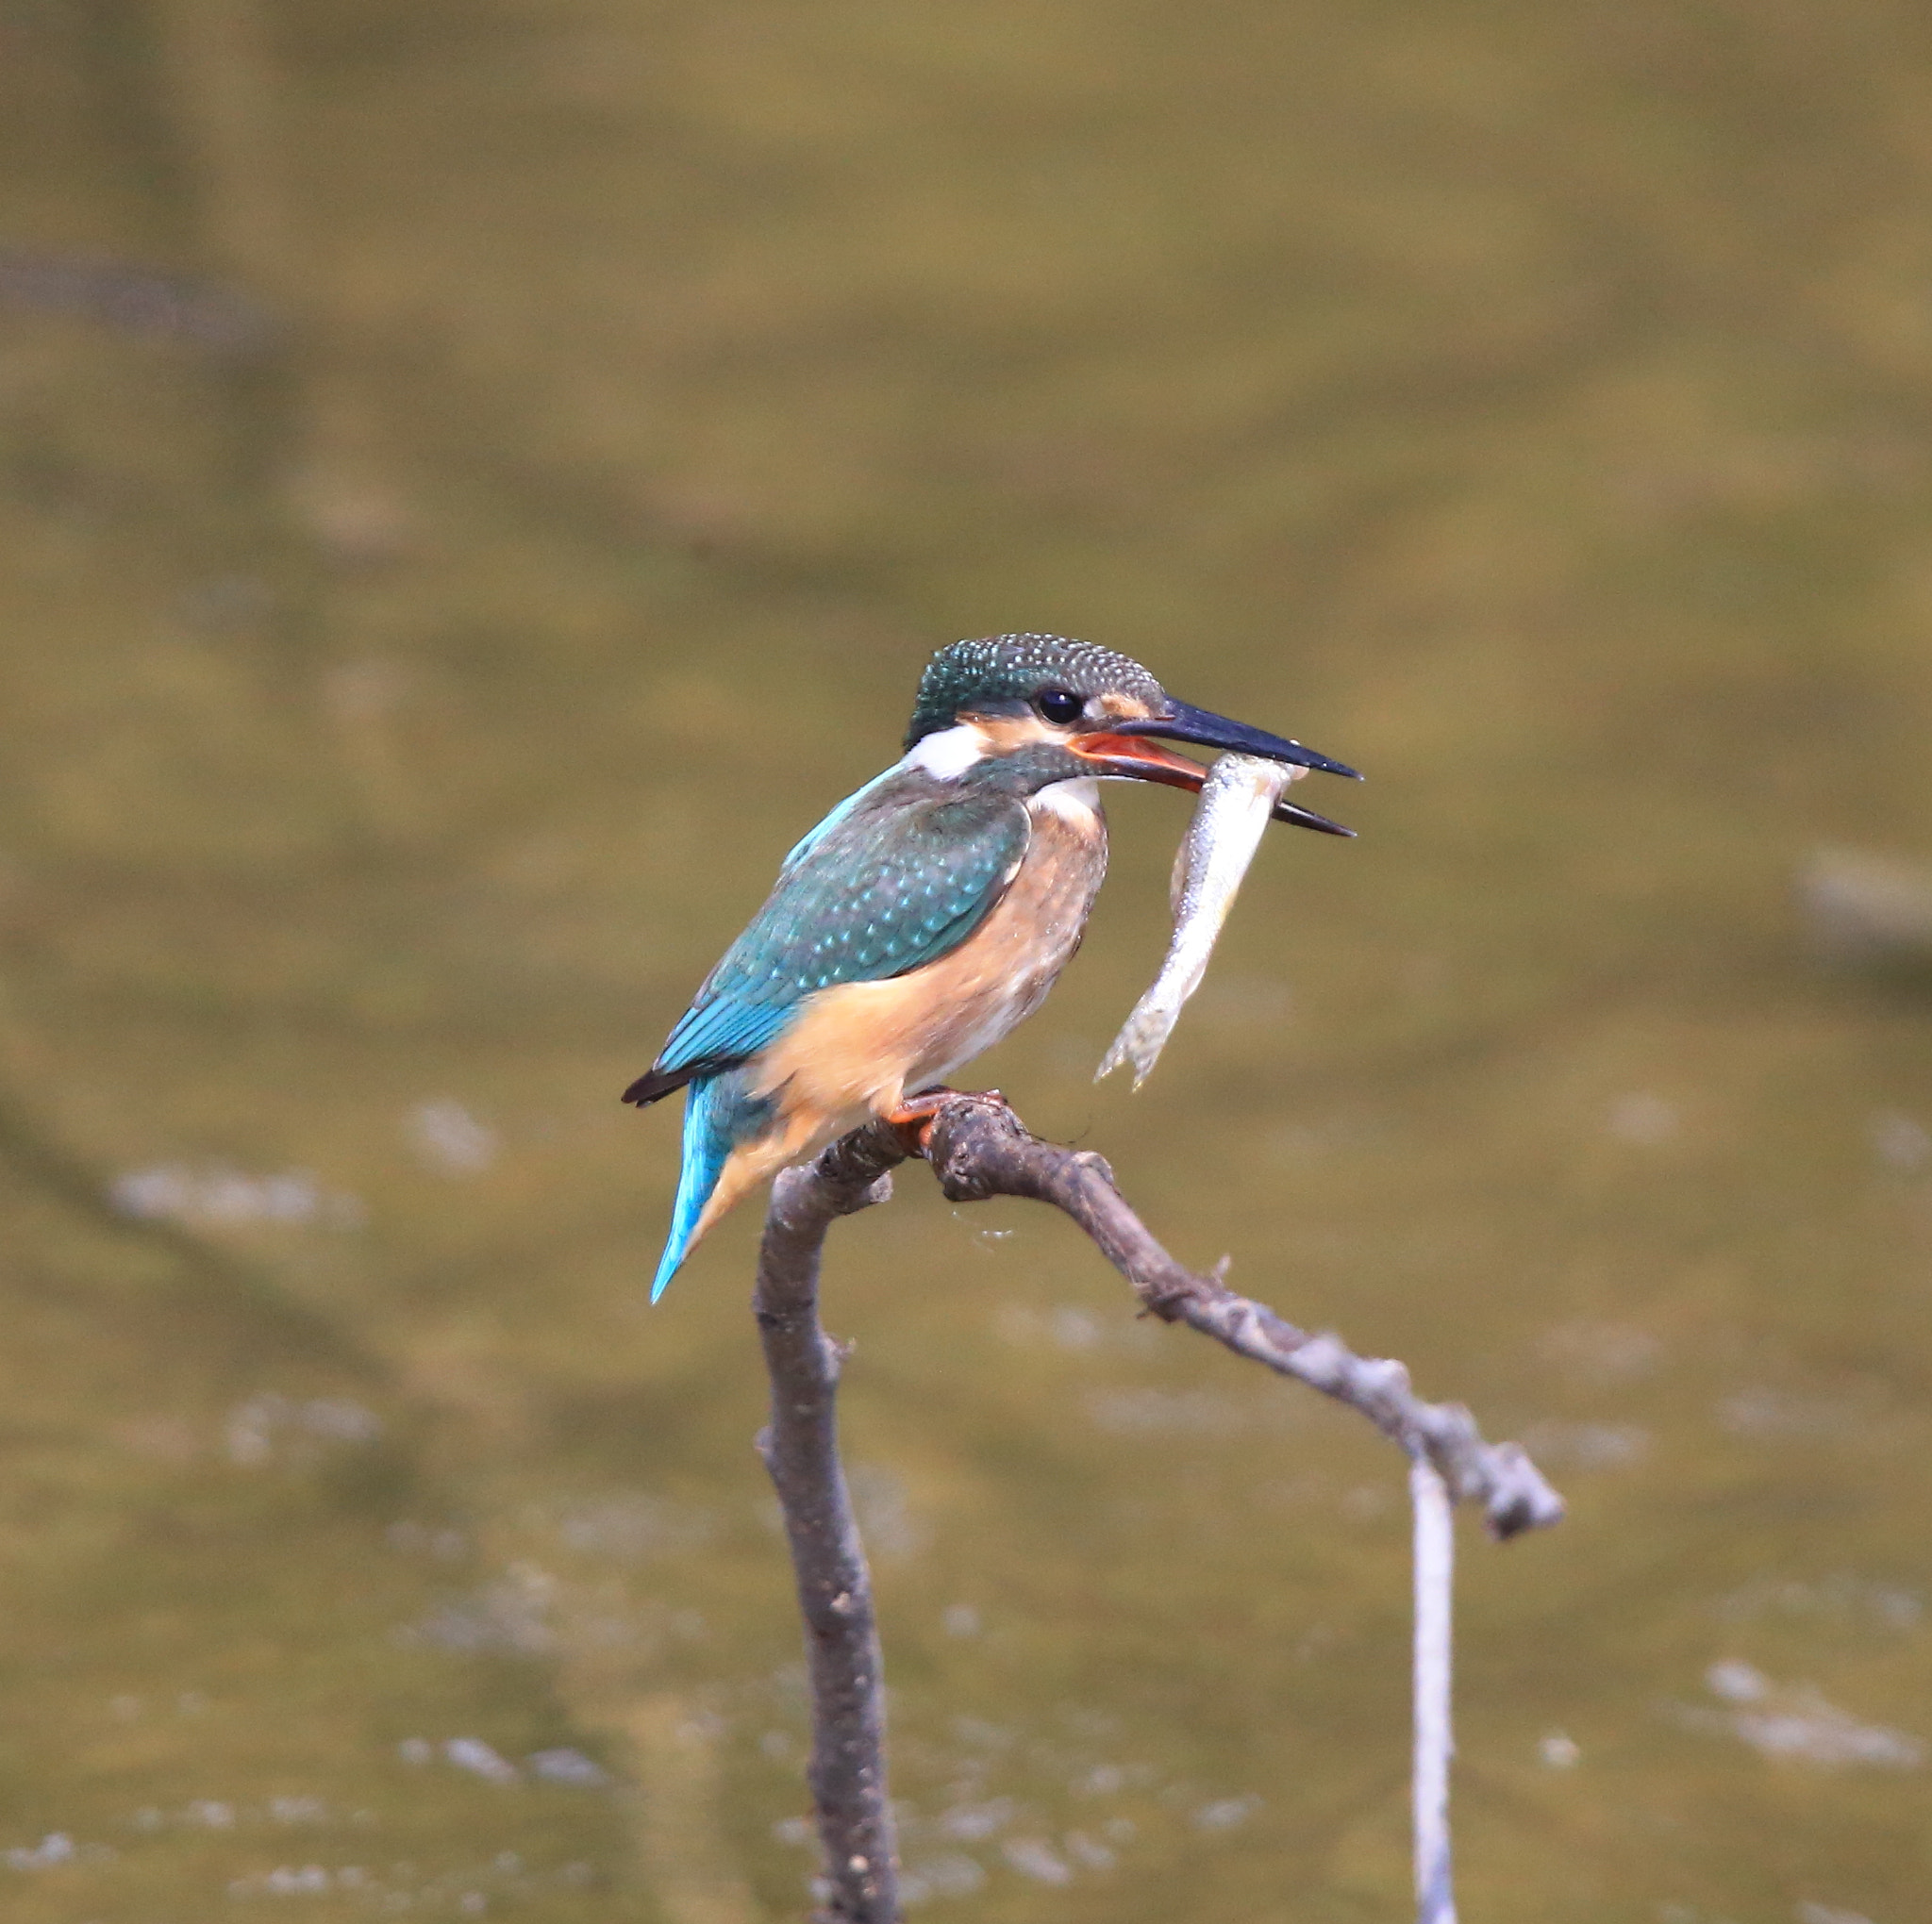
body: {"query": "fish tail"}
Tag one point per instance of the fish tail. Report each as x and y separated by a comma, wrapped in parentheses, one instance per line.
(1142, 1038)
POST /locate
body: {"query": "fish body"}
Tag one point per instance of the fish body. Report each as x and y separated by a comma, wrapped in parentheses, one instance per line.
(1236, 799)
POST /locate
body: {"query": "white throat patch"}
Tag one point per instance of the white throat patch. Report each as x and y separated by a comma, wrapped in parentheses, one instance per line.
(947, 753)
(1077, 801)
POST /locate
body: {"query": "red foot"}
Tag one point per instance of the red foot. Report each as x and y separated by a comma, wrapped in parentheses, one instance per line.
(915, 1117)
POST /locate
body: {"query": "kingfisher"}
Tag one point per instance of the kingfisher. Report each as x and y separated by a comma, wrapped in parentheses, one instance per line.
(927, 915)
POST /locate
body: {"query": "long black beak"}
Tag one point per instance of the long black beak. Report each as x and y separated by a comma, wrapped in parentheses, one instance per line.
(1184, 722)
(1116, 752)
(1306, 818)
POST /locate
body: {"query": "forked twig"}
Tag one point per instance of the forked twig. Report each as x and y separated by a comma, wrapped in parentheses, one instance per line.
(978, 1148)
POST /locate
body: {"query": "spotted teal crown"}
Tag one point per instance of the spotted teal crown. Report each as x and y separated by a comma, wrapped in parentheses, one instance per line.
(1003, 673)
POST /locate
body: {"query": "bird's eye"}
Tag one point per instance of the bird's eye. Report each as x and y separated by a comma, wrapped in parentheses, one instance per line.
(1058, 706)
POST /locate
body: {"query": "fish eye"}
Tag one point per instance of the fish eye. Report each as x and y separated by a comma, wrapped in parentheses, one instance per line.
(1058, 706)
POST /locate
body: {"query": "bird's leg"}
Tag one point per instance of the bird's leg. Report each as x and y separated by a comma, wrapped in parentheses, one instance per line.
(914, 1117)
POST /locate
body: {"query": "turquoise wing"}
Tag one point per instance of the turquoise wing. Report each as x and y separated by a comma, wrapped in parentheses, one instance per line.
(884, 885)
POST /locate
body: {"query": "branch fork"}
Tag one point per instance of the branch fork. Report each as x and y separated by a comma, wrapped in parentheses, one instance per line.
(978, 1148)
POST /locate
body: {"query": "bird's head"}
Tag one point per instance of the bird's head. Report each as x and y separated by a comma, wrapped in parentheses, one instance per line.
(1081, 710)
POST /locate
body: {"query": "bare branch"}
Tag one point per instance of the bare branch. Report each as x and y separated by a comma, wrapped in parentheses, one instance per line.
(800, 1449)
(978, 1148)
(1435, 1575)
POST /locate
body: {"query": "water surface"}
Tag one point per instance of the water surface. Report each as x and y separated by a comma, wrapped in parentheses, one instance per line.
(477, 482)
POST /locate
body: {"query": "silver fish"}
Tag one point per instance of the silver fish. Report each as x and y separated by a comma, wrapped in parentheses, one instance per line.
(1237, 799)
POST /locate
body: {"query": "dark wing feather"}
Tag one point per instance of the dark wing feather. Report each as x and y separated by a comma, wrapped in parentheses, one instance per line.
(656, 1084)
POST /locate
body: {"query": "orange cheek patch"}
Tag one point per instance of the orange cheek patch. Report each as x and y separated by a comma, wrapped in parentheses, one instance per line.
(1003, 734)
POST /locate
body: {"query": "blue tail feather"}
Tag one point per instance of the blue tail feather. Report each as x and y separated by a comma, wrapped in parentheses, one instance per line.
(719, 1113)
(707, 1147)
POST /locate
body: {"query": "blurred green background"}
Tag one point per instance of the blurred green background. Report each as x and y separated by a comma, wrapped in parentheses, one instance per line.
(478, 481)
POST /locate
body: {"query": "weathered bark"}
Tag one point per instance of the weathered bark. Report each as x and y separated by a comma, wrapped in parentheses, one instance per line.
(800, 1447)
